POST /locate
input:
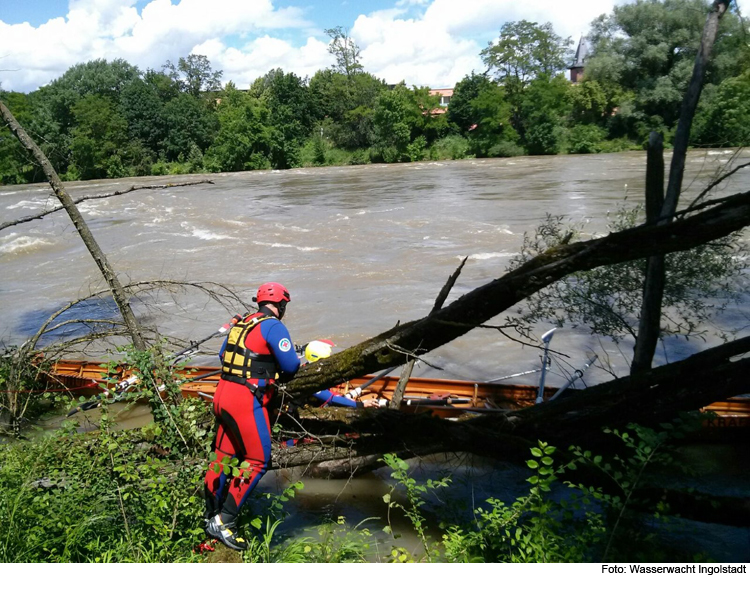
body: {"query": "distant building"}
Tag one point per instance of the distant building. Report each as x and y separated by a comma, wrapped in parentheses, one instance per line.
(582, 53)
(445, 95)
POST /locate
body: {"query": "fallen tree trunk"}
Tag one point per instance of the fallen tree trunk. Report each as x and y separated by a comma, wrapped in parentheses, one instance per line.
(650, 398)
(394, 347)
(654, 396)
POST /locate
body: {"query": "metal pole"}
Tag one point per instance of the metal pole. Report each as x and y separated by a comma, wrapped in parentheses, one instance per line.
(546, 338)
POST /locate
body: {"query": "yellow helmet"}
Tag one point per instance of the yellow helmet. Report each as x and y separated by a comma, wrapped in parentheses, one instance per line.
(315, 350)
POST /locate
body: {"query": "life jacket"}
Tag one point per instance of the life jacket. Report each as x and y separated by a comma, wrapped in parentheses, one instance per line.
(240, 364)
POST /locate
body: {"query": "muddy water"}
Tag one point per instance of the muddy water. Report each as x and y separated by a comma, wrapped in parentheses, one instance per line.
(360, 248)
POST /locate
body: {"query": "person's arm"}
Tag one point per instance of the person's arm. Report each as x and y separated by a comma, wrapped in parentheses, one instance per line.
(280, 343)
(328, 397)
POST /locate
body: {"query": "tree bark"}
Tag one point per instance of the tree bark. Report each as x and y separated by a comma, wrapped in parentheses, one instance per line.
(653, 397)
(393, 347)
(655, 278)
(118, 293)
(689, 104)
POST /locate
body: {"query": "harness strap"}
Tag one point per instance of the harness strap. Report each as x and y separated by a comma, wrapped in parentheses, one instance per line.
(254, 390)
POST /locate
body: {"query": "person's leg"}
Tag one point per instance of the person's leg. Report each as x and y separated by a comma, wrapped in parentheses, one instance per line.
(214, 482)
(255, 435)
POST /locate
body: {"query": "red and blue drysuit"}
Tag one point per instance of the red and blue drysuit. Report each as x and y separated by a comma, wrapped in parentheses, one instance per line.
(249, 370)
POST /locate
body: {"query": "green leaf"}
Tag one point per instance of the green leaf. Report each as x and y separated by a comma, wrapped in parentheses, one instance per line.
(533, 464)
(536, 452)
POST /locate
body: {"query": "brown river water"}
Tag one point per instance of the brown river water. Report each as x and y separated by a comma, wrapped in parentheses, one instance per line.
(360, 248)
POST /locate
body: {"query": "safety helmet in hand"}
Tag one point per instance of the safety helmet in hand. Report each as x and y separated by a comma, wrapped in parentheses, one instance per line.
(318, 350)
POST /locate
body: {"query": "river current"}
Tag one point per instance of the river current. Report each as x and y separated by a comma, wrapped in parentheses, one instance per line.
(360, 248)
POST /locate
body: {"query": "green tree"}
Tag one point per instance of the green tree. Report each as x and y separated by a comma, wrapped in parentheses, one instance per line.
(345, 50)
(345, 106)
(99, 134)
(244, 138)
(648, 47)
(493, 135)
(97, 77)
(144, 112)
(396, 115)
(723, 118)
(287, 97)
(194, 75)
(191, 125)
(526, 52)
(543, 109)
(15, 166)
(460, 110)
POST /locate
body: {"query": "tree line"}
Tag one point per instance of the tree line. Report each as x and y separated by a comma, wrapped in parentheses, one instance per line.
(109, 119)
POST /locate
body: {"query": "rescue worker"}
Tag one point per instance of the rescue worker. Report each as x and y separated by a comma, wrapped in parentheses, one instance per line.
(257, 353)
(320, 349)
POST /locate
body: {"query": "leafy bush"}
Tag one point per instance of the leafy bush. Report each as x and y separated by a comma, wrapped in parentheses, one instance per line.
(451, 147)
(586, 139)
(505, 149)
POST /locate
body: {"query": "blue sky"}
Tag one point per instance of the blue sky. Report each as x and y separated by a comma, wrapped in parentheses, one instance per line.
(424, 42)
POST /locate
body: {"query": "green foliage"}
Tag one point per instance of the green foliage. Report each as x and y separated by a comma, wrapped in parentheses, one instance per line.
(452, 147)
(461, 110)
(700, 283)
(244, 133)
(586, 139)
(414, 502)
(723, 117)
(648, 47)
(100, 131)
(345, 50)
(534, 528)
(193, 75)
(189, 123)
(109, 119)
(130, 496)
(396, 114)
(642, 449)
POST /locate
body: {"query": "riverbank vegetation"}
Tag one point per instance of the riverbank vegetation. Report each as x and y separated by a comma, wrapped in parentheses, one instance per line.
(108, 119)
(133, 496)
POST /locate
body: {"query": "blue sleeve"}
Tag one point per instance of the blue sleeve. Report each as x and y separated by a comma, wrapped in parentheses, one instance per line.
(222, 349)
(328, 397)
(280, 343)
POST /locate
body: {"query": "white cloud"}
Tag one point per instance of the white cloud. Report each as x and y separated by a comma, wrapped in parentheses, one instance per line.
(113, 29)
(424, 42)
(440, 45)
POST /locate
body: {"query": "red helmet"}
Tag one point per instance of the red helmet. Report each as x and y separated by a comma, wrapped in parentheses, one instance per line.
(272, 292)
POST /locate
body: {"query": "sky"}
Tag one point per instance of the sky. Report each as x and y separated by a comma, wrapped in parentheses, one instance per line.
(431, 43)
